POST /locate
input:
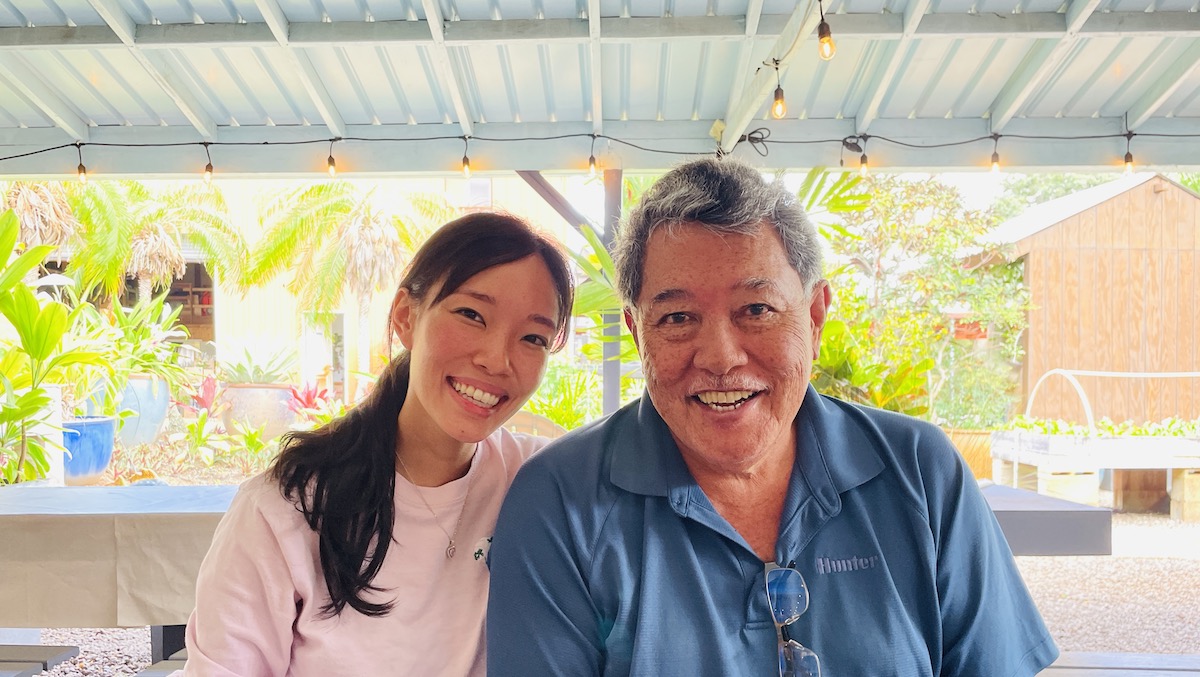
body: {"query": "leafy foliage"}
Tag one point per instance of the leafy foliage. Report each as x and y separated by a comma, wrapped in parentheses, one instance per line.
(569, 396)
(1024, 191)
(276, 369)
(1106, 427)
(847, 369)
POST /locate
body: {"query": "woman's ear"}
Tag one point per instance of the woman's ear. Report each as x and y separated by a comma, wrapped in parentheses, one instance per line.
(403, 317)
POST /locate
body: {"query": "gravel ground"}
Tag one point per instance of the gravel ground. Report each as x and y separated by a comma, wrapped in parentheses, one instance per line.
(1143, 599)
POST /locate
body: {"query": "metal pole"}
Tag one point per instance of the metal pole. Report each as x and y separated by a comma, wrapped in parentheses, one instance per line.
(611, 367)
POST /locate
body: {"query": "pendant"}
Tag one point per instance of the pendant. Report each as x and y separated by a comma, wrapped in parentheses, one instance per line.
(450, 550)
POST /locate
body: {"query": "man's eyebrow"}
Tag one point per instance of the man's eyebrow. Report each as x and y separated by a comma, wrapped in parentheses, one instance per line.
(669, 295)
(491, 300)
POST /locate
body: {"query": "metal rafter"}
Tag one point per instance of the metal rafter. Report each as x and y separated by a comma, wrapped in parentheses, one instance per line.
(595, 54)
(1038, 65)
(1166, 85)
(914, 12)
(277, 22)
(440, 54)
(157, 67)
(23, 79)
(737, 118)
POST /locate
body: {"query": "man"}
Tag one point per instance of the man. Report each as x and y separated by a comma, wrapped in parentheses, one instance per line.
(645, 544)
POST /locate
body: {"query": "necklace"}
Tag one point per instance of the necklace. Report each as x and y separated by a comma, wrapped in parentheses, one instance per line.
(450, 549)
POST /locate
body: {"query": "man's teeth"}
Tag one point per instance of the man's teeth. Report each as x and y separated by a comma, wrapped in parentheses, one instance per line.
(483, 399)
(725, 399)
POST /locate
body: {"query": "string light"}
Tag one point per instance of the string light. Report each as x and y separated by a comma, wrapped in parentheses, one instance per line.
(466, 162)
(862, 159)
(995, 153)
(1128, 154)
(81, 170)
(208, 168)
(757, 139)
(330, 165)
(825, 45)
(592, 158)
(779, 106)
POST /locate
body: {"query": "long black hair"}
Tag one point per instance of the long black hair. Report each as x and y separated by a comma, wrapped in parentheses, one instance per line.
(342, 476)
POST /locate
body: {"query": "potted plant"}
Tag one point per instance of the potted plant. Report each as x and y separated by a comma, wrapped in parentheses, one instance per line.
(31, 363)
(258, 393)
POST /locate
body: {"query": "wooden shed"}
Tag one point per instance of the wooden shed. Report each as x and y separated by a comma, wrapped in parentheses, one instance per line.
(1114, 281)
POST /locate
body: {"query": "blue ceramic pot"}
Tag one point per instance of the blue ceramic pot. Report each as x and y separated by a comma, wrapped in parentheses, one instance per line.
(148, 398)
(89, 441)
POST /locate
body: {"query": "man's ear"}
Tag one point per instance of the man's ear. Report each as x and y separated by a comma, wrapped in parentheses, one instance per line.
(818, 310)
(403, 317)
(631, 325)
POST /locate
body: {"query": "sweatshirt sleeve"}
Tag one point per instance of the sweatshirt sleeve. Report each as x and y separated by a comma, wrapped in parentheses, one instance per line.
(246, 600)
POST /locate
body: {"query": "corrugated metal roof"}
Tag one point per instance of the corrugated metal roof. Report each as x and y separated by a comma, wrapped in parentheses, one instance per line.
(401, 82)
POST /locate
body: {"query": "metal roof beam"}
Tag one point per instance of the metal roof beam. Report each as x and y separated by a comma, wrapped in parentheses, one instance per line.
(21, 78)
(277, 22)
(595, 58)
(740, 112)
(745, 56)
(159, 70)
(445, 69)
(1039, 25)
(1162, 89)
(914, 12)
(1041, 61)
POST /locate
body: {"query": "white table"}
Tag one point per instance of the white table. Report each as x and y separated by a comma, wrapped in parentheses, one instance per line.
(128, 556)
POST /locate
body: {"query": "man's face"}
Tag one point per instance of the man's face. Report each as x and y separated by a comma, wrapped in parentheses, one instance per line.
(727, 335)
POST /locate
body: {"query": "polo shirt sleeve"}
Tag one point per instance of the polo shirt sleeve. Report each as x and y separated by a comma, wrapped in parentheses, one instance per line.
(990, 625)
(541, 619)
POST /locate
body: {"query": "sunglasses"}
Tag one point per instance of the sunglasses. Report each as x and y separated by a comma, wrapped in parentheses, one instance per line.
(787, 595)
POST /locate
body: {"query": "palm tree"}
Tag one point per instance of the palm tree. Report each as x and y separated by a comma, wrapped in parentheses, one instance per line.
(43, 212)
(131, 230)
(333, 236)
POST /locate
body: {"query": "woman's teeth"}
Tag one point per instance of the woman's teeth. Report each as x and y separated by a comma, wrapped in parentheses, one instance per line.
(480, 397)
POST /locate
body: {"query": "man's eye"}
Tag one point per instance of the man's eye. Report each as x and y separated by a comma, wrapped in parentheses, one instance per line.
(674, 318)
(756, 309)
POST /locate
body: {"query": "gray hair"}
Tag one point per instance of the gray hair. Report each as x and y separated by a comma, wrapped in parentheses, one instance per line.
(724, 196)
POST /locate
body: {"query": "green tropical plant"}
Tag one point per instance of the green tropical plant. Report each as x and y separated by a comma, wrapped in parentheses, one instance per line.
(202, 438)
(276, 369)
(846, 369)
(131, 230)
(335, 238)
(569, 396)
(33, 360)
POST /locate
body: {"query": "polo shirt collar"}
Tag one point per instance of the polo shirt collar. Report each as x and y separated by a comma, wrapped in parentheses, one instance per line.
(835, 453)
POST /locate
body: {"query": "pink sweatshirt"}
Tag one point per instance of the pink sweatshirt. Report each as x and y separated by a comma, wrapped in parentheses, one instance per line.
(260, 588)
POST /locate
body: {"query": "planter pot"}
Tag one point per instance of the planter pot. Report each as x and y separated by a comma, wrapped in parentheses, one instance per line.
(149, 398)
(89, 442)
(257, 405)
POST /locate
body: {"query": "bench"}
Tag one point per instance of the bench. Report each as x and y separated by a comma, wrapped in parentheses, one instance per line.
(162, 668)
(19, 669)
(1089, 664)
(43, 655)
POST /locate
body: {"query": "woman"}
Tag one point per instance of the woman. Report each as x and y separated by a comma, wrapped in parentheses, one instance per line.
(362, 551)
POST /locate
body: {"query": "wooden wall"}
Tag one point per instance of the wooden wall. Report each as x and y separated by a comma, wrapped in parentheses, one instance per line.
(1115, 288)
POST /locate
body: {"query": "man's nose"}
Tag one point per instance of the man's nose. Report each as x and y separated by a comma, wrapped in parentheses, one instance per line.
(718, 347)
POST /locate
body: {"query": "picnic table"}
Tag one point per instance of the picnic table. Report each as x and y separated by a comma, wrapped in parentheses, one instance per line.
(128, 556)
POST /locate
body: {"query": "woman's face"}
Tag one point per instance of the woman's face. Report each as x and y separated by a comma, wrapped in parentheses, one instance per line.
(479, 353)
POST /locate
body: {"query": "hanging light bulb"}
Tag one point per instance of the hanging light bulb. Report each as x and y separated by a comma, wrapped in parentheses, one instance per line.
(1128, 162)
(825, 45)
(466, 161)
(592, 158)
(330, 165)
(862, 165)
(779, 108)
(81, 170)
(995, 153)
(208, 168)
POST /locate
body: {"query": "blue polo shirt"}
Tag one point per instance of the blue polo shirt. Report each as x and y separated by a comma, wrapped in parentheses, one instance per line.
(608, 559)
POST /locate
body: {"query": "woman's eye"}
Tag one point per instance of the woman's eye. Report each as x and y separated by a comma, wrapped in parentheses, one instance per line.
(470, 314)
(540, 341)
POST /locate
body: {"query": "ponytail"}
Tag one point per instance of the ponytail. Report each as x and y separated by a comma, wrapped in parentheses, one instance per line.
(342, 477)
